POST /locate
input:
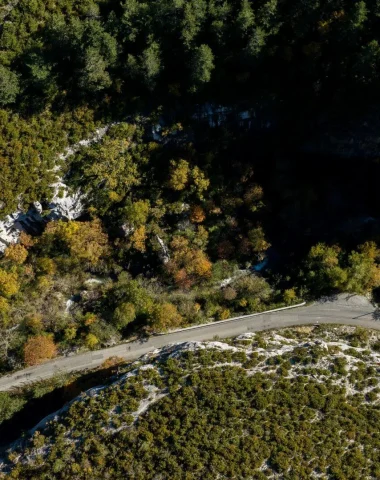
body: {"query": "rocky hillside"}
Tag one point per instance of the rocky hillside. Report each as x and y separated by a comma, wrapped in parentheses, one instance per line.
(300, 403)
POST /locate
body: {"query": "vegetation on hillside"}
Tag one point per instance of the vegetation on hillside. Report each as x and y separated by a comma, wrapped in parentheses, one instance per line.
(199, 177)
(295, 404)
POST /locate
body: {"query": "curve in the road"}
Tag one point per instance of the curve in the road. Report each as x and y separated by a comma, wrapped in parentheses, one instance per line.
(344, 309)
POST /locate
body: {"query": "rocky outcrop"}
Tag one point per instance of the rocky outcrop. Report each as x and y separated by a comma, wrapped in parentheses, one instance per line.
(64, 204)
(164, 252)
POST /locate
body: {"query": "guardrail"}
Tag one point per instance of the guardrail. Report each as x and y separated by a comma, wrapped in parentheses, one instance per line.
(203, 325)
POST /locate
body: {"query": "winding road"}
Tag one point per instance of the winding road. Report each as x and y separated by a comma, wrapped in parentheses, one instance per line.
(343, 309)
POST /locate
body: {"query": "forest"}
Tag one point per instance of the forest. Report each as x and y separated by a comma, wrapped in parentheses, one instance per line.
(300, 403)
(236, 170)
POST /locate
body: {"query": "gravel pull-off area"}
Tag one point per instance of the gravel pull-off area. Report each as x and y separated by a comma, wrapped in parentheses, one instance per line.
(347, 300)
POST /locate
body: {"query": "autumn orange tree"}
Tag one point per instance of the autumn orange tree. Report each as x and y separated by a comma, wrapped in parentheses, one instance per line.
(197, 214)
(187, 265)
(39, 348)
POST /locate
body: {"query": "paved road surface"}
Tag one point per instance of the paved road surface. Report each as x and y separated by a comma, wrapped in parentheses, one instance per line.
(345, 309)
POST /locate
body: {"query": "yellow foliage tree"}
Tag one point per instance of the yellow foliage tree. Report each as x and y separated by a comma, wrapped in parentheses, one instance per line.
(327, 256)
(4, 305)
(289, 296)
(46, 265)
(257, 240)
(138, 239)
(165, 316)
(85, 240)
(200, 180)
(16, 253)
(4, 311)
(34, 323)
(91, 341)
(179, 174)
(114, 165)
(136, 213)
(9, 284)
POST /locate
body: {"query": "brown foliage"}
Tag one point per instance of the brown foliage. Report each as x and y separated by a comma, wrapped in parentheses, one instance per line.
(229, 293)
(253, 194)
(26, 240)
(182, 279)
(197, 214)
(111, 362)
(39, 348)
(188, 265)
(138, 239)
(225, 249)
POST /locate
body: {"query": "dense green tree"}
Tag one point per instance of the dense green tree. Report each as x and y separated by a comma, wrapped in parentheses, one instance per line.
(124, 314)
(94, 76)
(202, 65)
(194, 15)
(9, 86)
(151, 64)
(246, 17)
(136, 213)
(9, 404)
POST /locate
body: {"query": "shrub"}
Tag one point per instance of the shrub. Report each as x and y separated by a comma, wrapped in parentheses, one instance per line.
(39, 348)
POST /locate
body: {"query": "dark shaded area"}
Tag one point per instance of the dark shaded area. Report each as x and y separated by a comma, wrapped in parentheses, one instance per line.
(38, 408)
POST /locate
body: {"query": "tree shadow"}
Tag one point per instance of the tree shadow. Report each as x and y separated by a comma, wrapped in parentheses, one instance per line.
(328, 298)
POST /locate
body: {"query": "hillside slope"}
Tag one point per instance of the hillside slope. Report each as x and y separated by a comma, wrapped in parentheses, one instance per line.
(298, 403)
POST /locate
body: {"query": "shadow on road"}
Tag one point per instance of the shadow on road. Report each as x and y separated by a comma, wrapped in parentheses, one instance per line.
(364, 315)
(328, 298)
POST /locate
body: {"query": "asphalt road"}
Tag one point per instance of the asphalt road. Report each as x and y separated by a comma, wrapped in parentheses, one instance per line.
(345, 309)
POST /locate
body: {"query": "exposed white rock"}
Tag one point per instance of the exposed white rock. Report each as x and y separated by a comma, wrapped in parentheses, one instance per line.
(38, 207)
(237, 274)
(165, 256)
(176, 349)
(69, 303)
(8, 234)
(127, 229)
(154, 396)
(93, 281)
(226, 282)
(98, 135)
(6, 9)
(63, 205)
